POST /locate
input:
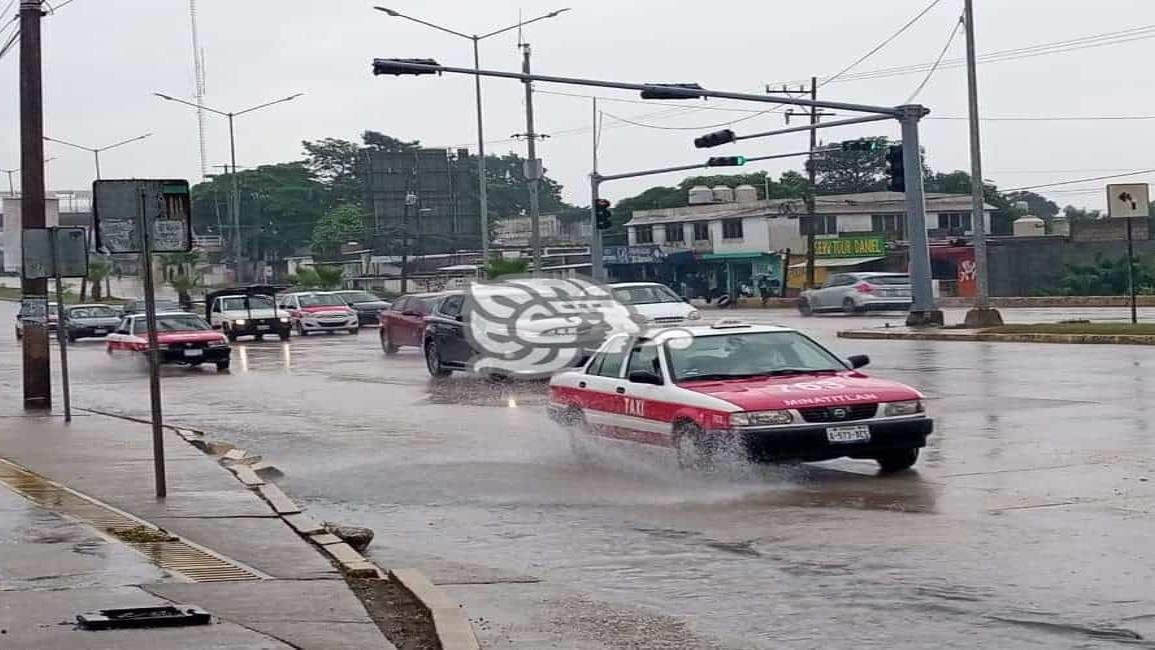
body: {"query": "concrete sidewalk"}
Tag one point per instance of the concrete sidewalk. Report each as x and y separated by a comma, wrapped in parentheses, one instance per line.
(265, 585)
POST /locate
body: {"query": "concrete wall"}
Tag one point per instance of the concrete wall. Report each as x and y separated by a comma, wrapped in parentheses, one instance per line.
(1030, 266)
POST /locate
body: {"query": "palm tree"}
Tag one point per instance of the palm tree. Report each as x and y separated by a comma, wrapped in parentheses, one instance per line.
(180, 271)
(99, 268)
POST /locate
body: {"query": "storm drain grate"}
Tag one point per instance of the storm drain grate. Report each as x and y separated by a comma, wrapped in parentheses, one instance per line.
(174, 555)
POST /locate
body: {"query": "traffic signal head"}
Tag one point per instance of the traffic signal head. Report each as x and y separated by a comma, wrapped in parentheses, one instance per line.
(604, 216)
(726, 161)
(658, 93)
(389, 66)
(895, 169)
(714, 139)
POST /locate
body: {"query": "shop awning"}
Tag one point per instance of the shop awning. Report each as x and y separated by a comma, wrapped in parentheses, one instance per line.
(831, 262)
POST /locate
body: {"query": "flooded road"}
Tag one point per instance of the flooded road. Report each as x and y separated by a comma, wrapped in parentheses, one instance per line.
(1027, 523)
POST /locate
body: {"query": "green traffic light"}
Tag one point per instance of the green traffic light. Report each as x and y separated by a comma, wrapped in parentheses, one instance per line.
(740, 160)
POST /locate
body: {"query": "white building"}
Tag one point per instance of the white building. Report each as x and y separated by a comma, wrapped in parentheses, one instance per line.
(516, 231)
(760, 226)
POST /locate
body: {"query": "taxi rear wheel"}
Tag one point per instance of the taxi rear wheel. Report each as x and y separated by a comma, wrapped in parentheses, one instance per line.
(897, 460)
(696, 449)
(575, 423)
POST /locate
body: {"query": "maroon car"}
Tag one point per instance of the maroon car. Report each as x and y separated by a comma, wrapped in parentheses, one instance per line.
(403, 323)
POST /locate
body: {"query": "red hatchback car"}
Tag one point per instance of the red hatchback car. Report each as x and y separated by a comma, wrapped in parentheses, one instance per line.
(403, 324)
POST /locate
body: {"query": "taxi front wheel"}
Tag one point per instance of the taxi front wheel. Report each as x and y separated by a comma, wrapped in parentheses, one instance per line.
(696, 449)
(897, 460)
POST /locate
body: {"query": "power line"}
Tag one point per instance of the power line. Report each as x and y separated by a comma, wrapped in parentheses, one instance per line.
(692, 128)
(881, 45)
(930, 73)
(1078, 180)
(1052, 47)
(1063, 118)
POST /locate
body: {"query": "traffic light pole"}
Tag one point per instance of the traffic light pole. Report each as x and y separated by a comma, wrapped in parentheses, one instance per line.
(597, 263)
(922, 310)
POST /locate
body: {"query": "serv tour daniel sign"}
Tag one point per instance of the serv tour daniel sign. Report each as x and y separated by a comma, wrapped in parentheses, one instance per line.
(850, 247)
(121, 208)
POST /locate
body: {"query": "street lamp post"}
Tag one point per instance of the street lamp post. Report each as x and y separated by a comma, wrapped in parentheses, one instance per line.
(481, 184)
(235, 208)
(97, 150)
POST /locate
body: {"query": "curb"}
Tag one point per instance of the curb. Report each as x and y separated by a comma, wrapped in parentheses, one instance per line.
(1076, 339)
(450, 621)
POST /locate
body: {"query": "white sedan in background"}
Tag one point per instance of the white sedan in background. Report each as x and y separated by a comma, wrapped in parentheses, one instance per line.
(656, 303)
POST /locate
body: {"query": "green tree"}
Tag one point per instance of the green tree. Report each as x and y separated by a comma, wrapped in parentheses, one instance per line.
(1081, 214)
(304, 278)
(279, 206)
(1038, 205)
(181, 272)
(99, 268)
(499, 267)
(334, 164)
(848, 172)
(339, 226)
(381, 142)
(329, 277)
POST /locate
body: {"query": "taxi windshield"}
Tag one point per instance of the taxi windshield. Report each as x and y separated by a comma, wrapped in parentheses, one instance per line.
(748, 354)
(321, 299)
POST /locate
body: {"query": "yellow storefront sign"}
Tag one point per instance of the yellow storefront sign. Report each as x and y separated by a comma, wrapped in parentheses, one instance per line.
(850, 247)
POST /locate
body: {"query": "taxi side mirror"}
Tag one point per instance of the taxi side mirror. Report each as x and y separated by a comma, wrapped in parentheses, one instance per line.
(644, 377)
(859, 360)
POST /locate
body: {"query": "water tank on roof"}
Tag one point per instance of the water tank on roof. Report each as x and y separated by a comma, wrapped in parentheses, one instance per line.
(745, 194)
(701, 194)
(1029, 226)
(723, 194)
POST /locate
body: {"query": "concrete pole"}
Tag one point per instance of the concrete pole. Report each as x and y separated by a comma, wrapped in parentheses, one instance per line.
(482, 192)
(533, 168)
(37, 373)
(981, 315)
(236, 204)
(812, 176)
(923, 311)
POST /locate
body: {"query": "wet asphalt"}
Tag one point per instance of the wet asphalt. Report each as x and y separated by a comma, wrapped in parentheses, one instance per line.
(1028, 522)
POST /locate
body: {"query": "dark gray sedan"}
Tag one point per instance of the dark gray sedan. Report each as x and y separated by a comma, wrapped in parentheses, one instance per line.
(83, 321)
(367, 305)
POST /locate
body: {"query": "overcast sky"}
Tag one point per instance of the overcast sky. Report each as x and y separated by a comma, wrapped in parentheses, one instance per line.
(103, 59)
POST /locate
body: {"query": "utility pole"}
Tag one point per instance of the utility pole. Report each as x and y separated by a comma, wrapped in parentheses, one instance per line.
(37, 373)
(981, 315)
(532, 167)
(816, 114)
(597, 266)
(238, 250)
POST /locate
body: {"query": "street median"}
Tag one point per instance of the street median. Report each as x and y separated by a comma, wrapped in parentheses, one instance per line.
(1078, 333)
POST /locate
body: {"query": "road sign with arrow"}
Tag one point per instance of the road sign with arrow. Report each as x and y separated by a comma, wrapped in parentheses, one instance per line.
(1127, 200)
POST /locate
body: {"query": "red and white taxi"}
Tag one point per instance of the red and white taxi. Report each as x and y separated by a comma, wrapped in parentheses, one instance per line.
(319, 311)
(184, 339)
(765, 393)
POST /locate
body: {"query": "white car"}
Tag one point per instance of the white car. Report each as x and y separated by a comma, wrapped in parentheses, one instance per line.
(656, 303)
(852, 293)
(254, 315)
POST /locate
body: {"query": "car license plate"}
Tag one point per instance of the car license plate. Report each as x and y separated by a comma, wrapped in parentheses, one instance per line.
(194, 353)
(860, 433)
(99, 331)
(262, 327)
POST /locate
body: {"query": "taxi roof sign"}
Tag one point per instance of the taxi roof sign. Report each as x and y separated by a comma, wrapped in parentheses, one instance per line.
(729, 323)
